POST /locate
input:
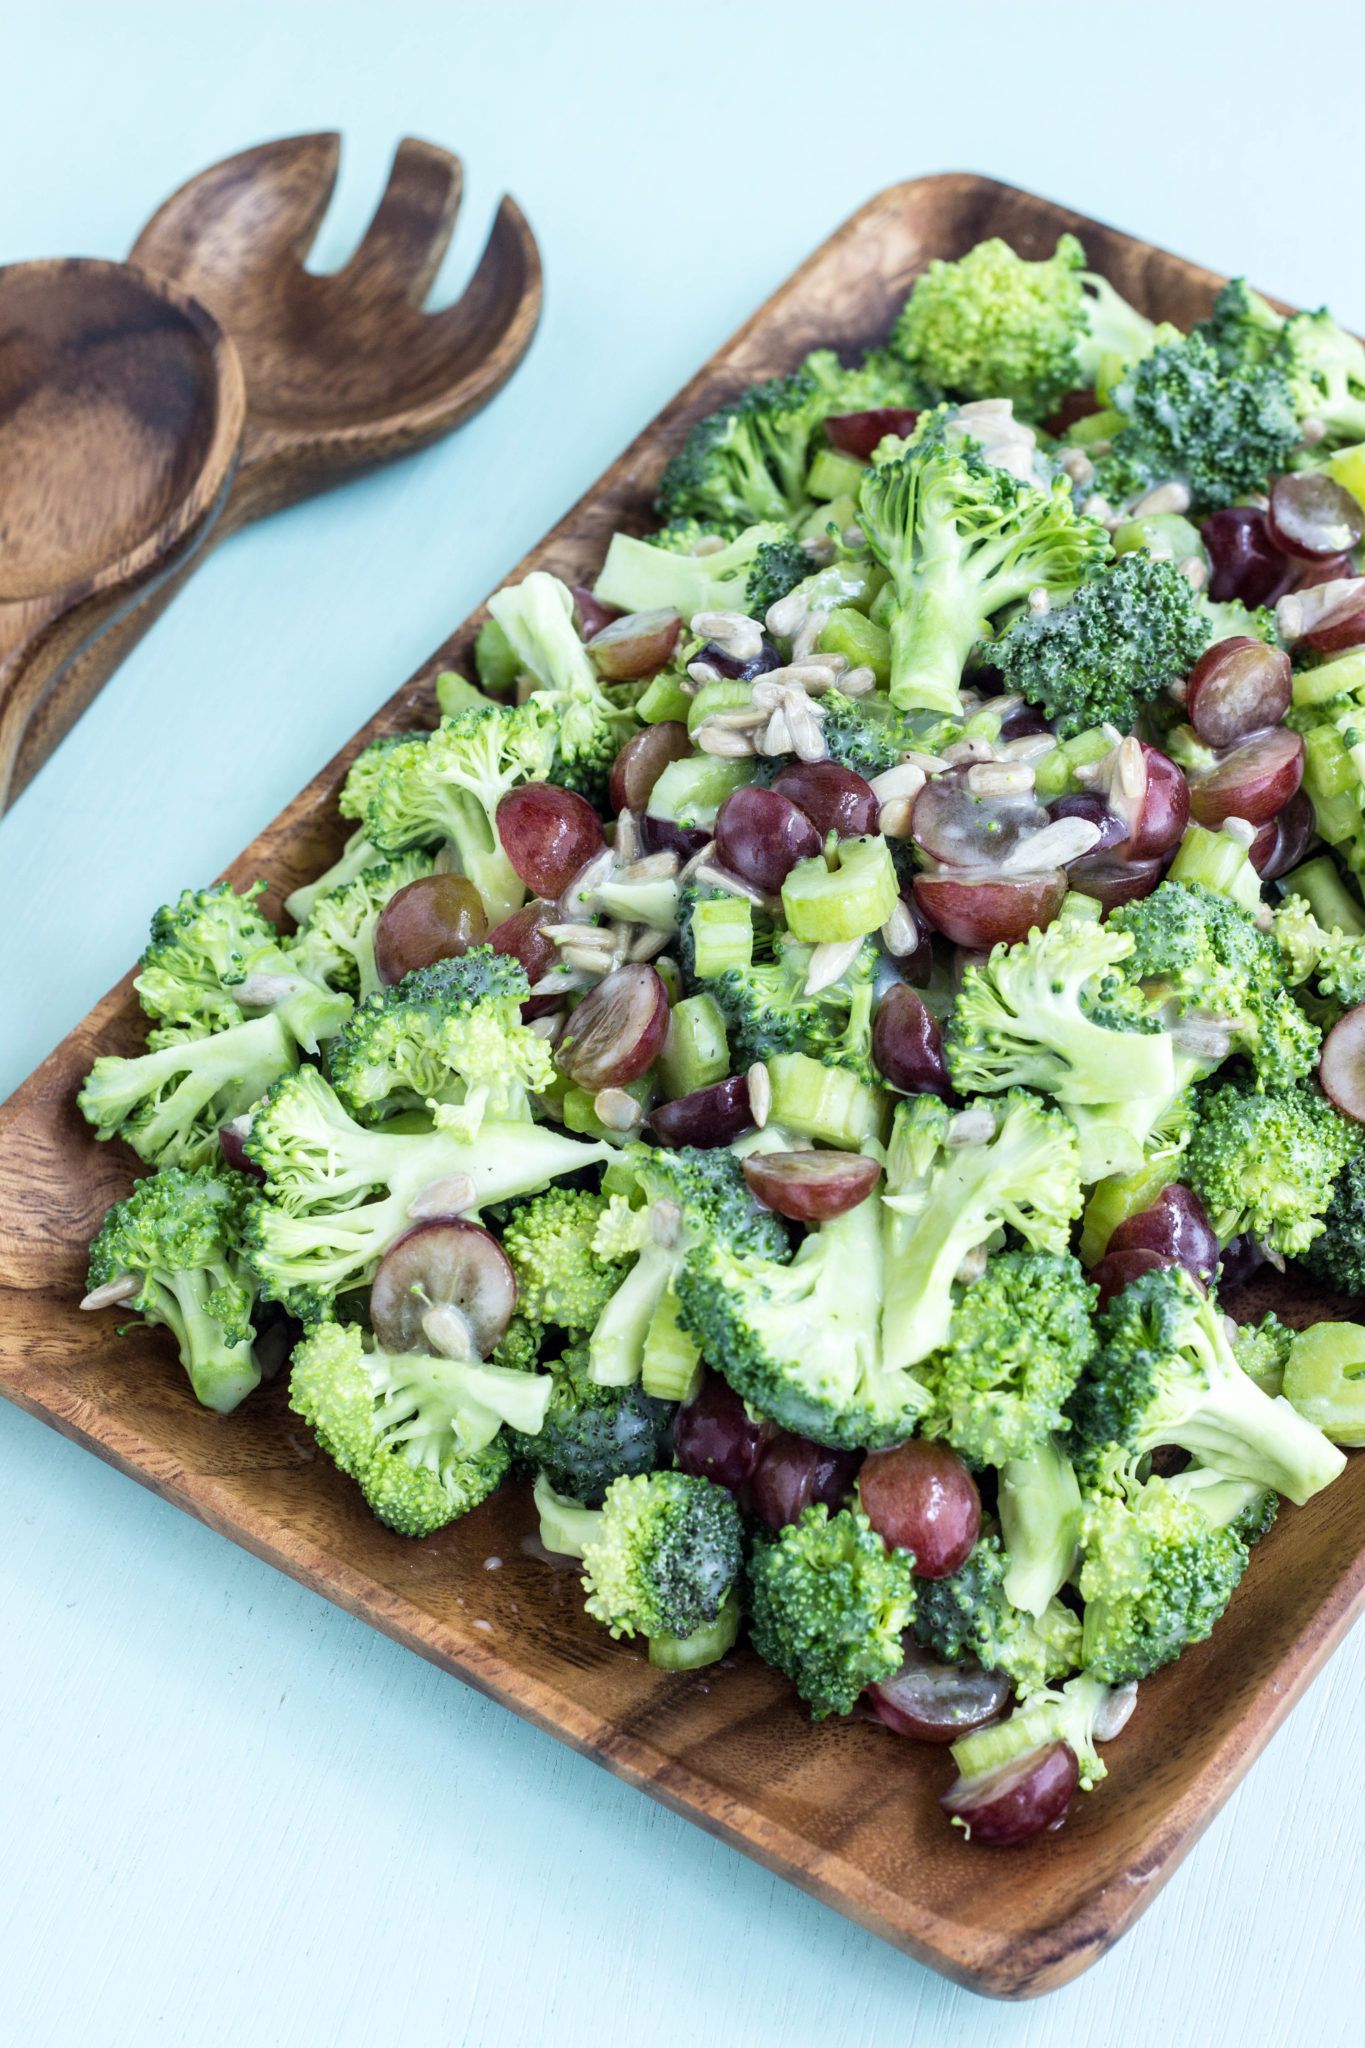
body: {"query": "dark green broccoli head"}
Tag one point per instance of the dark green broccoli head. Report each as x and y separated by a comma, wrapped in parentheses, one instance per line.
(1112, 649)
(1223, 432)
(1338, 1254)
(829, 1604)
(778, 567)
(593, 1435)
(1019, 1340)
(865, 734)
(710, 1189)
(968, 1615)
(1243, 330)
(665, 1556)
(747, 462)
(560, 1279)
(767, 1010)
(1267, 1162)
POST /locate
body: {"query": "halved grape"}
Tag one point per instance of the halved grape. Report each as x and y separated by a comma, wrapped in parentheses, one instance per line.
(965, 831)
(1245, 563)
(1021, 721)
(437, 917)
(933, 1702)
(1114, 1271)
(1252, 781)
(1336, 569)
(1176, 1225)
(857, 433)
(590, 615)
(1028, 1796)
(1341, 629)
(715, 1438)
(548, 834)
(1284, 842)
(921, 1497)
(618, 1030)
(1112, 880)
(444, 1286)
(1312, 517)
(1242, 1259)
(810, 1187)
(523, 936)
(761, 835)
(794, 1474)
(707, 1117)
(907, 1045)
(661, 835)
(983, 909)
(733, 668)
(833, 797)
(1238, 687)
(1113, 829)
(1165, 808)
(635, 646)
(1341, 1069)
(643, 759)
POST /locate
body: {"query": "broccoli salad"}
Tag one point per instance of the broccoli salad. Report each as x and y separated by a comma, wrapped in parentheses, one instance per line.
(791, 1067)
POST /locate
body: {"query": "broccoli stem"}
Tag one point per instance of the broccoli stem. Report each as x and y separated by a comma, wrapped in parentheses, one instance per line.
(1040, 1521)
(221, 1374)
(566, 1526)
(703, 1646)
(357, 854)
(616, 1350)
(1327, 896)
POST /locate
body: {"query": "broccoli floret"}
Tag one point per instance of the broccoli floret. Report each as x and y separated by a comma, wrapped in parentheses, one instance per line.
(1337, 1254)
(1222, 432)
(1165, 1373)
(560, 1278)
(169, 1104)
(213, 959)
(993, 325)
(1267, 1162)
(778, 567)
(968, 1615)
(1157, 1572)
(1112, 649)
(590, 729)
(881, 380)
(1055, 1013)
(1018, 1342)
(337, 1195)
(1018, 1166)
(335, 942)
(449, 787)
(829, 1605)
(1324, 365)
(1327, 968)
(748, 461)
(448, 1037)
(1243, 330)
(767, 1011)
(641, 576)
(421, 1436)
(962, 540)
(1205, 954)
(592, 1435)
(180, 1235)
(866, 734)
(1262, 1350)
(664, 1555)
(681, 536)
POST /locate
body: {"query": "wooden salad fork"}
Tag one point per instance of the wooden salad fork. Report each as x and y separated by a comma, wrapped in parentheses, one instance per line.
(342, 371)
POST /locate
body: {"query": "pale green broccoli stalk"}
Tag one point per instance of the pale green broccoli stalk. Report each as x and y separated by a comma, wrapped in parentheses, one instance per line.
(1204, 955)
(641, 576)
(970, 1615)
(994, 325)
(449, 786)
(1014, 1163)
(963, 540)
(170, 1104)
(1221, 432)
(179, 1236)
(449, 1038)
(1267, 1162)
(829, 1604)
(1040, 1518)
(1109, 652)
(212, 960)
(537, 617)
(592, 1435)
(1018, 1341)
(421, 1437)
(1157, 1571)
(560, 1278)
(1165, 1373)
(335, 943)
(337, 1195)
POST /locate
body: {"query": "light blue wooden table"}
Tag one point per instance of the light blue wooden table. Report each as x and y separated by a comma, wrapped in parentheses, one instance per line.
(230, 1814)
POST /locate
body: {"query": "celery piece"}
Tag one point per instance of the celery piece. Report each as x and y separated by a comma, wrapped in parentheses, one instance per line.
(1087, 909)
(695, 1053)
(1097, 426)
(827, 1103)
(1326, 895)
(1159, 530)
(1219, 863)
(671, 1370)
(848, 633)
(670, 974)
(691, 792)
(838, 513)
(1347, 466)
(843, 902)
(455, 693)
(1055, 773)
(1329, 776)
(665, 698)
(703, 1646)
(711, 697)
(1325, 1380)
(1343, 675)
(722, 935)
(833, 475)
(580, 1113)
(497, 661)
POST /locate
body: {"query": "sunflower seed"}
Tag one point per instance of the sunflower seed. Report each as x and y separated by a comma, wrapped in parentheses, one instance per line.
(830, 960)
(122, 1287)
(735, 633)
(449, 1196)
(1065, 839)
(616, 1109)
(1169, 497)
(760, 1091)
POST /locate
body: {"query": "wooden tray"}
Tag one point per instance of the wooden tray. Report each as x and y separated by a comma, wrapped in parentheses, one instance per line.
(845, 1810)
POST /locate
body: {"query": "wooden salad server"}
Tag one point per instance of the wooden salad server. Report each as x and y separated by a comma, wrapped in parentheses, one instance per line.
(122, 408)
(343, 371)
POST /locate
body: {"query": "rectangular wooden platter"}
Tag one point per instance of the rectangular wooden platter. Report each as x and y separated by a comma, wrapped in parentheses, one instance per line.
(843, 1809)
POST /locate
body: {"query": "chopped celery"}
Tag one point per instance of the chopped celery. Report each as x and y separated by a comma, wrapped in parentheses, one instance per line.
(824, 904)
(833, 475)
(664, 699)
(1097, 426)
(691, 792)
(1159, 530)
(1087, 909)
(703, 1646)
(1344, 674)
(670, 974)
(838, 513)
(848, 633)
(722, 935)
(827, 1103)
(1219, 863)
(672, 1363)
(1055, 773)
(496, 660)
(580, 1113)
(1325, 1380)
(724, 695)
(1347, 466)
(1327, 896)
(455, 693)
(695, 1053)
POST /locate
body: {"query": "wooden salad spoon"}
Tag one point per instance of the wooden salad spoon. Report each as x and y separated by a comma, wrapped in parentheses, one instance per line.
(343, 371)
(122, 408)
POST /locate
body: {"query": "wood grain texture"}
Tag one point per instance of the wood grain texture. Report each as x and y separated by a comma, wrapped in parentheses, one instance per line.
(122, 409)
(847, 1811)
(342, 372)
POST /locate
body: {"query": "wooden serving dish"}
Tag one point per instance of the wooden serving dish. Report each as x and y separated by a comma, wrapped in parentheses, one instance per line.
(846, 1810)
